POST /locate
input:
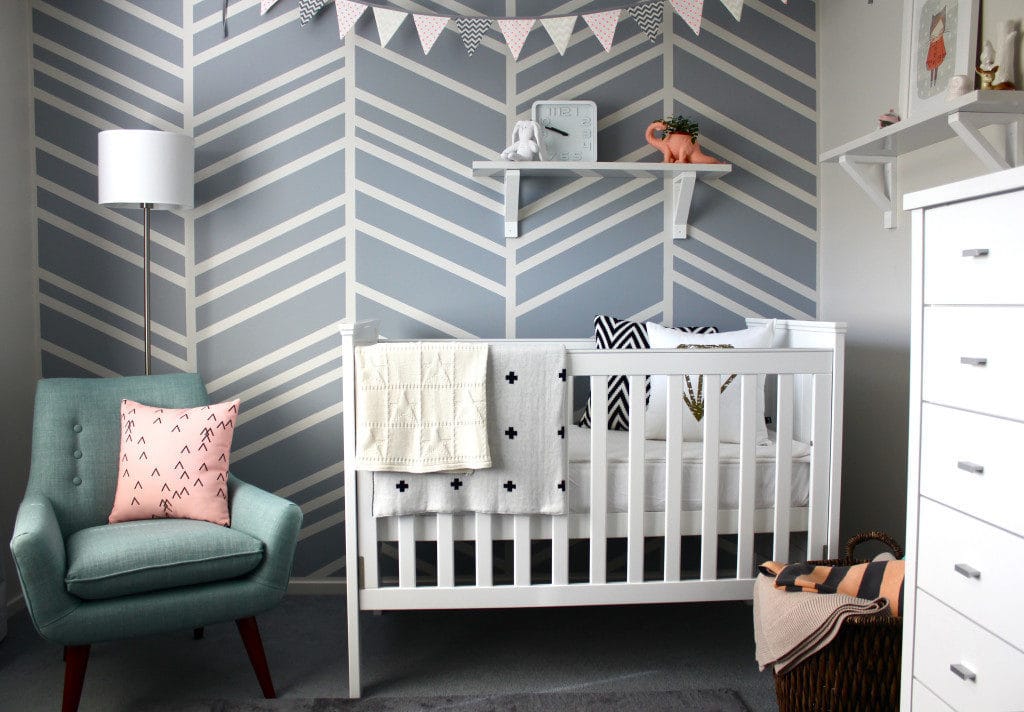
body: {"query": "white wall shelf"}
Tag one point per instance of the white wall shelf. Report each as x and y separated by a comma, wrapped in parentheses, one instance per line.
(684, 177)
(963, 117)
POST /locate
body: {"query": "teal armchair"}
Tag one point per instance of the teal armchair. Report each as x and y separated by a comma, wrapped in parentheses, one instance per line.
(86, 581)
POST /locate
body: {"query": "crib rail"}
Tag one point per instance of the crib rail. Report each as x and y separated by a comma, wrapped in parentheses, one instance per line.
(808, 387)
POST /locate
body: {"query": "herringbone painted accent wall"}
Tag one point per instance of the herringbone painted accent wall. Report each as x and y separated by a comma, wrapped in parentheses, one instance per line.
(333, 182)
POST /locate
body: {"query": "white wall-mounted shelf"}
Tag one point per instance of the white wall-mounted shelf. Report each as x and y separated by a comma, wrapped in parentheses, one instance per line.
(684, 177)
(963, 117)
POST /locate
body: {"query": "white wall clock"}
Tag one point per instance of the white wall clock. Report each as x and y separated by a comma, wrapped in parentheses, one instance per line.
(569, 129)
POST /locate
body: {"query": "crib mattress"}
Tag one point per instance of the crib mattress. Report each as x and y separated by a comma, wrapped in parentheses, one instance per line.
(691, 474)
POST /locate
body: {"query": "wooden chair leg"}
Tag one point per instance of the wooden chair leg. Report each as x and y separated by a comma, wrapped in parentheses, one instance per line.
(76, 657)
(197, 633)
(250, 633)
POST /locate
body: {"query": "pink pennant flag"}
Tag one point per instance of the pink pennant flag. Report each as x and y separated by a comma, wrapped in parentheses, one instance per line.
(388, 22)
(735, 7)
(515, 32)
(348, 13)
(691, 11)
(266, 5)
(429, 28)
(602, 24)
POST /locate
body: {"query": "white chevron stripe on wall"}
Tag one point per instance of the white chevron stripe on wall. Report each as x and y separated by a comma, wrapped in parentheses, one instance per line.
(333, 182)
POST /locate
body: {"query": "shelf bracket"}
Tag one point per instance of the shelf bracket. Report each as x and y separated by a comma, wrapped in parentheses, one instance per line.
(968, 124)
(682, 199)
(512, 203)
(882, 193)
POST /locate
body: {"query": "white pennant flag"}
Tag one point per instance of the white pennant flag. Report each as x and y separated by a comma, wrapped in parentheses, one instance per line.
(560, 30)
(691, 11)
(429, 28)
(515, 32)
(348, 13)
(603, 26)
(266, 5)
(387, 23)
(735, 7)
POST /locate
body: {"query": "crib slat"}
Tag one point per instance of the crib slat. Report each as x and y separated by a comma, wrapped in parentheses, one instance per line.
(598, 478)
(821, 411)
(709, 498)
(783, 467)
(445, 551)
(407, 551)
(484, 550)
(560, 550)
(745, 527)
(521, 550)
(635, 505)
(673, 477)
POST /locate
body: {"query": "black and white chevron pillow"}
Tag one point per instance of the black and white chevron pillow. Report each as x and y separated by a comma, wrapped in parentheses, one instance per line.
(613, 333)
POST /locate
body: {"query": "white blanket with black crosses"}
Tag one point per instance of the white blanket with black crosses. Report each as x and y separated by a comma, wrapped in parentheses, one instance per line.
(526, 421)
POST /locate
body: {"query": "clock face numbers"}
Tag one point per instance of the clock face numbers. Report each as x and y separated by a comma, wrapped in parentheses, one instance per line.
(570, 131)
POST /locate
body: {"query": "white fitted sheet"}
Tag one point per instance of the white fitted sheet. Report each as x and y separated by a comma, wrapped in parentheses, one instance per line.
(692, 476)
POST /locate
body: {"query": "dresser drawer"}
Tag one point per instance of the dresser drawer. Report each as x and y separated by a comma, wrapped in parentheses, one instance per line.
(973, 463)
(972, 358)
(972, 567)
(926, 701)
(944, 638)
(953, 277)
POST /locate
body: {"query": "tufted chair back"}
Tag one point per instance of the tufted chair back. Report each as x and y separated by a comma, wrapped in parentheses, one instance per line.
(76, 438)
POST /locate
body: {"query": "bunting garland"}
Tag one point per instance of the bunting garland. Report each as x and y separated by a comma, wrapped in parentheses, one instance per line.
(472, 29)
(602, 24)
(515, 32)
(429, 28)
(387, 23)
(559, 30)
(649, 17)
(348, 13)
(265, 5)
(691, 11)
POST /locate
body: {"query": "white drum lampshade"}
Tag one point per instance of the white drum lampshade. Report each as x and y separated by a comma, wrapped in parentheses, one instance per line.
(140, 166)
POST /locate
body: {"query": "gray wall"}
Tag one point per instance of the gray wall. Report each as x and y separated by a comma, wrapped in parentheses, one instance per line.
(333, 183)
(865, 270)
(18, 354)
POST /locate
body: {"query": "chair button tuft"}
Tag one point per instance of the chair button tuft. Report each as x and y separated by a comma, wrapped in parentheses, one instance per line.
(77, 454)
(77, 481)
(77, 428)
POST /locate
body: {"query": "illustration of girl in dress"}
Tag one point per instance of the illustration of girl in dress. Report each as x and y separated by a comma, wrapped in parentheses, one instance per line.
(936, 44)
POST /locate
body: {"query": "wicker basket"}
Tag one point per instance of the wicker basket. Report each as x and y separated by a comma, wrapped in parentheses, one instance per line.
(860, 669)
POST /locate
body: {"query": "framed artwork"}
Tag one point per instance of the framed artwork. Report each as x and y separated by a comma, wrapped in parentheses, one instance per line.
(940, 40)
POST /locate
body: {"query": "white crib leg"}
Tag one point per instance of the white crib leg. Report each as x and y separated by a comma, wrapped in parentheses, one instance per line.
(354, 684)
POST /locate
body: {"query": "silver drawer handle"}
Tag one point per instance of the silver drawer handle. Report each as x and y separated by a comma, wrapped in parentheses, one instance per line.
(966, 570)
(963, 672)
(970, 467)
(976, 252)
(973, 361)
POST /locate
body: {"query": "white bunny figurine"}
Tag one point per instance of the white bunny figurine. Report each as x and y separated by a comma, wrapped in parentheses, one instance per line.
(526, 145)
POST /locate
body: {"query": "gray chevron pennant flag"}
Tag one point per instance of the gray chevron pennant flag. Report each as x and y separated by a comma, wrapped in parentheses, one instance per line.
(472, 29)
(648, 17)
(308, 9)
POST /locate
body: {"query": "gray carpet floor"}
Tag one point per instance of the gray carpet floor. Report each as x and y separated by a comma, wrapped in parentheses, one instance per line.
(697, 646)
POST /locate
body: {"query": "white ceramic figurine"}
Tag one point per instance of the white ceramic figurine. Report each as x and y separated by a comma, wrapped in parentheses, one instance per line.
(526, 143)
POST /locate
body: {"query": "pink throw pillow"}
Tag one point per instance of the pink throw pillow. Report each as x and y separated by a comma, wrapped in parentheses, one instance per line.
(174, 462)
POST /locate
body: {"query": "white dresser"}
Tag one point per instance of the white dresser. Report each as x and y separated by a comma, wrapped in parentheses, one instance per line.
(963, 642)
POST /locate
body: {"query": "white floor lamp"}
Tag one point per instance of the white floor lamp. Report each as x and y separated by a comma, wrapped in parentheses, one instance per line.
(152, 170)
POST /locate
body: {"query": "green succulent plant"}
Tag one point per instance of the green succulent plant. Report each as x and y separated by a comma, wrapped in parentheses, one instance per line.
(680, 124)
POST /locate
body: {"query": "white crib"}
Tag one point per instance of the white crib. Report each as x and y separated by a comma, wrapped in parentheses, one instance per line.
(806, 372)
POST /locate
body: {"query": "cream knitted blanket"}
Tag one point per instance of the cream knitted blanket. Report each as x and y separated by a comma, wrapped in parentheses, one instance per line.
(421, 407)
